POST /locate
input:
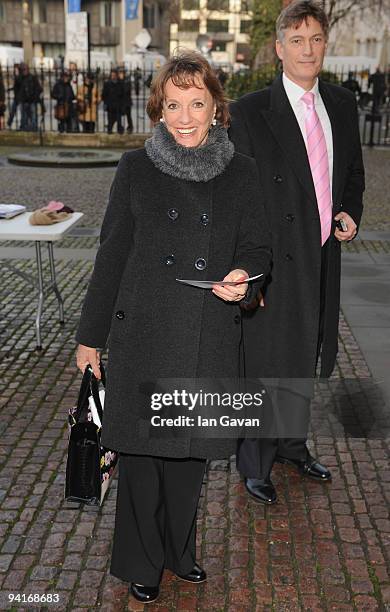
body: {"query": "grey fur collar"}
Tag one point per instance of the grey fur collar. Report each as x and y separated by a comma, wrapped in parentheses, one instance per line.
(198, 164)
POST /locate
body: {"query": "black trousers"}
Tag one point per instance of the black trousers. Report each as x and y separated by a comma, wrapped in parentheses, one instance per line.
(255, 457)
(155, 523)
(114, 116)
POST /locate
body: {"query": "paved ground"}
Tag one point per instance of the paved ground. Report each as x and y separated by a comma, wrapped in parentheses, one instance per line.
(89, 188)
(322, 547)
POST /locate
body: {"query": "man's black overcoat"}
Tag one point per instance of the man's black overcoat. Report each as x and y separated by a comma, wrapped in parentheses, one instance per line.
(158, 228)
(281, 339)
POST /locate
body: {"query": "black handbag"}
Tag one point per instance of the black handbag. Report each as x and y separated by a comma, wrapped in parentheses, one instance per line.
(90, 467)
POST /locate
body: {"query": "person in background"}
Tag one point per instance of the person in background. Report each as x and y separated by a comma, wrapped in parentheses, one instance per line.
(2, 101)
(185, 206)
(352, 84)
(87, 101)
(76, 82)
(30, 95)
(304, 136)
(113, 97)
(222, 76)
(16, 89)
(63, 93)
(377, 82)
(127, 100)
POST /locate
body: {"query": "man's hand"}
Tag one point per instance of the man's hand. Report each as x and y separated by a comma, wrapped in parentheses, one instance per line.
(233, 293)
(88, 356)
(351, 225)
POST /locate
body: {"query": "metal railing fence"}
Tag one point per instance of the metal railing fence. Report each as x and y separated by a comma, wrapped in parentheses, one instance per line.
(374, 113)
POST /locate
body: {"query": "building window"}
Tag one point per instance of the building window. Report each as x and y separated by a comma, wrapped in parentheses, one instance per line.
(246, 6)
(107, 14)
(218, 5)
(219, 46)
(39, 11)
(149, 16)
(190, 5)
(217, 25)
(189, 25)
(2, 10)
(245, 26)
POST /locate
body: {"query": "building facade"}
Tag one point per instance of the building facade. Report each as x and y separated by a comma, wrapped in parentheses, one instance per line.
(361, 39)
(43, 22)
(225, 23)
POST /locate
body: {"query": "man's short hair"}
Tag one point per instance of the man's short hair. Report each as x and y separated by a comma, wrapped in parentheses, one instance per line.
(293, 15)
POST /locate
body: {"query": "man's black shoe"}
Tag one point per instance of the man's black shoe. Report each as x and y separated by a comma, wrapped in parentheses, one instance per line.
(145, 594)
(309, 467)
(262, 490)
(196, 575)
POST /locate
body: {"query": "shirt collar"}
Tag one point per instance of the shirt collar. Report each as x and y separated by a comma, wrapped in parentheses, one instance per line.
(295, 92)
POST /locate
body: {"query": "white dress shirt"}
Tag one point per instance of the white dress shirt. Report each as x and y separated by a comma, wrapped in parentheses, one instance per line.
(294, 93)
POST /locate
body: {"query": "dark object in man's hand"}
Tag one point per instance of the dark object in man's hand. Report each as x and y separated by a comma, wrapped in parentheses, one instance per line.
(253, 304)
(341, 225)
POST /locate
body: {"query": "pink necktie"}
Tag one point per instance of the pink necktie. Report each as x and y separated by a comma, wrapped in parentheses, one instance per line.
(319, 164)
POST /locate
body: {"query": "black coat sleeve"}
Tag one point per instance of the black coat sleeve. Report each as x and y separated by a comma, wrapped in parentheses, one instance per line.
(253, 253)
(238, 131)
(352, 202)
(115, 246)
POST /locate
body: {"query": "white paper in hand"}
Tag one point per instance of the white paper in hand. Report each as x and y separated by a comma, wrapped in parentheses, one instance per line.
(209, 284)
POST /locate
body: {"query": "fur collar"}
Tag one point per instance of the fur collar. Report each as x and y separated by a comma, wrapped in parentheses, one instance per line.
(198, 164)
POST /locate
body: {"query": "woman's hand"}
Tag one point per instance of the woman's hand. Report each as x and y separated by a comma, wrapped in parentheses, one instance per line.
(233, 293)
(88, 356)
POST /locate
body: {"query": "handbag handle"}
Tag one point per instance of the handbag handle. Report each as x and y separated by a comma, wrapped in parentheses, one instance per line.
(89, 386)
(94, 387)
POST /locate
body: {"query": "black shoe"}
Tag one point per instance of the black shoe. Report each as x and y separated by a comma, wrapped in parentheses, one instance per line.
(309, 467)
(197, 575)
(145, 594)
(262, 490)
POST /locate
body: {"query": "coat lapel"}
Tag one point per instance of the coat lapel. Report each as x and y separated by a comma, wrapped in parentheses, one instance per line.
(284, 126)
(334, 108)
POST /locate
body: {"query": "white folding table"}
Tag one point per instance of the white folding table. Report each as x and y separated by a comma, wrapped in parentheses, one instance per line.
(20, 229)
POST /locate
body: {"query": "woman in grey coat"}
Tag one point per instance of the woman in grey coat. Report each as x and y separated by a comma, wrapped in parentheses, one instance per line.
(186, 206)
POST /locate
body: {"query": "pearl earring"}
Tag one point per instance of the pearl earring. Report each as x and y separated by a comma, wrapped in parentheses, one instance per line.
(162, 120)
(214, 121)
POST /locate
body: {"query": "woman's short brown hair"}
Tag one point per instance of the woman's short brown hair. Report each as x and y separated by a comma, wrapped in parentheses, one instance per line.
(183, 69)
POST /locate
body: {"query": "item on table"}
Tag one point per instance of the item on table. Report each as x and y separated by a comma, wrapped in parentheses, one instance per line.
(8, 211)
(53, 212)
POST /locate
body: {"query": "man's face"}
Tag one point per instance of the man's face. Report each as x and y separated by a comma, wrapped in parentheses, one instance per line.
(302, 52)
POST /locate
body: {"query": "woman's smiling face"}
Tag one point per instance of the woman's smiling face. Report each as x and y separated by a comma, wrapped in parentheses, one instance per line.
(188, 113)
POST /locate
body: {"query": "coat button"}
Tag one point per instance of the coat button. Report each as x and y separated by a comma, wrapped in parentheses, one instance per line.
(173, 214)
(237, 318)
(288, 257)
(120, 315)
(290, 218)
(278, 178)
(169, 260)
(204, 219)
(200, 263)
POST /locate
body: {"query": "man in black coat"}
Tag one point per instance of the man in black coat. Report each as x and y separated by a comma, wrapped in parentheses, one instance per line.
(113, 98)
(63, 93)
(297, 319)
(127, 101)
(29, 94)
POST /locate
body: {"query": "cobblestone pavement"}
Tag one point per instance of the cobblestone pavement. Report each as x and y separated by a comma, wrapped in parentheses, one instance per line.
(321, 547)
(89, 188)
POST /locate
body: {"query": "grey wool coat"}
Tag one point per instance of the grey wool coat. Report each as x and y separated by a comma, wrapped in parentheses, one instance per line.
(157, 228)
